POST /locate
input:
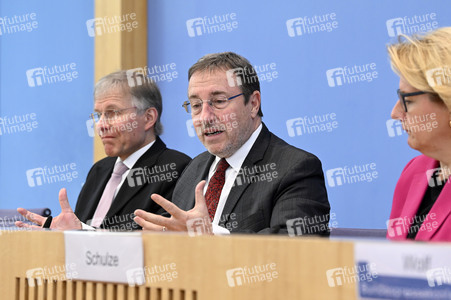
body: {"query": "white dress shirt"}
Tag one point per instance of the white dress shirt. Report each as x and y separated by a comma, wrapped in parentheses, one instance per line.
(130, 162)
(235, 161)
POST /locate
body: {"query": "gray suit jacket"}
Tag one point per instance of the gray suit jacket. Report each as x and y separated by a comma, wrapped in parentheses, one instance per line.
(278, 183)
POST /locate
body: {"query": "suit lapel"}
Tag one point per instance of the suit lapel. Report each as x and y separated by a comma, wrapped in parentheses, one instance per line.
(415, 195)
(256, 154)
(202, 174)
(126, 192)
(441, 209)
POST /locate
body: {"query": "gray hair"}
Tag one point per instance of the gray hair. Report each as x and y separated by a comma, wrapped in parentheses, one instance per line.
(143, 95)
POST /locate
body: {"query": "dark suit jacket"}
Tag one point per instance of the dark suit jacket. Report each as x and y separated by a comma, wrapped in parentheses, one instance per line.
(262, 201)
(164, 166)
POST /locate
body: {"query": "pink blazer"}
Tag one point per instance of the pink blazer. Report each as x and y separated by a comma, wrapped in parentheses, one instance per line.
(409, 192)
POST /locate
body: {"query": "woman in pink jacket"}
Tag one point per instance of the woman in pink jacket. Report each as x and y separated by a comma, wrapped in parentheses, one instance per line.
(421, 207)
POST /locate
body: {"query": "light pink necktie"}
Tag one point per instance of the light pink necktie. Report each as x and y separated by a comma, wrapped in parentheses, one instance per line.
(108, 194)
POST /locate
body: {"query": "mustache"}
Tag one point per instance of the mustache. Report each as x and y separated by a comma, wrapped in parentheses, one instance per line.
(209, 126)
(207, 123)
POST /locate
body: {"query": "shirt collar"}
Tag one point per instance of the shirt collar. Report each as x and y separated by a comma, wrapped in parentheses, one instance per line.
(132, 159)
(237, 159)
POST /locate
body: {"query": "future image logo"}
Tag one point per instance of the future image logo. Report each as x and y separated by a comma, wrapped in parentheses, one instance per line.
(438, 276)
(211, 25)
(351, 74)
(227, 122)
(397, 227)
(256, 173)
(94, 27)
(439, 76)
(195, 27)
(190, 128)
(410, 25)
(412, 124)
(156, 273)
(238, 76)
(436, 176)
(136, 77)
(158, 173)
(394, 128)
(18, 123)
(18, 23)
(48, 175)
(312, 124)
(264, 72)
(155, 73)
(250, 275)
(51, 74)
(111, 24)
(335, 77)
(349, 175)
(309, 25)
(350, 275)
(90, 126)
(395, 27)
(35, 77)
(35, 177)
(135, 276)
(53, 273)
(199, 226)
(311, 224)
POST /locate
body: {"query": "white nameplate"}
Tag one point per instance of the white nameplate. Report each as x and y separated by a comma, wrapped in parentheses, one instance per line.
(403, 270)
(103, 256)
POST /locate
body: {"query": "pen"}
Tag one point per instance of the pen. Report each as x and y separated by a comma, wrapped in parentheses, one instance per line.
(47, 222)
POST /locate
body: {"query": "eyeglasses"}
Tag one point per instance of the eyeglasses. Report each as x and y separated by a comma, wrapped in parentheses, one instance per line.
(402, 97)
(109, 115)
(195, 105)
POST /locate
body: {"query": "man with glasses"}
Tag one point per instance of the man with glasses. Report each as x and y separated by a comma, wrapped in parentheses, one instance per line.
(248, 180)
(127, 119)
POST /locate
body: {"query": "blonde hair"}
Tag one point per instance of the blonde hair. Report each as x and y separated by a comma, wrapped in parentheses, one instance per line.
(417, 57)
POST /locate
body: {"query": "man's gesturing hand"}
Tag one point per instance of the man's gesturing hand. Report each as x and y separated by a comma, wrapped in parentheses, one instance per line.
(179, 218)
(66, 220)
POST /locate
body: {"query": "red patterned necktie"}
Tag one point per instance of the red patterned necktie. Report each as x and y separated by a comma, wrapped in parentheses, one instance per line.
(215, 187)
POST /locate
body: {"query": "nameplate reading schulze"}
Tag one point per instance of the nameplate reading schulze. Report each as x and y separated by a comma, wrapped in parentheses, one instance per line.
(106, 260)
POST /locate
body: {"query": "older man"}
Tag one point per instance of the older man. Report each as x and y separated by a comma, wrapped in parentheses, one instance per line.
(127, 120)
(248, 180)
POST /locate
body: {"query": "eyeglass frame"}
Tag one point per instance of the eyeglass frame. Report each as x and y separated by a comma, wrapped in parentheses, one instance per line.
(187, 103)
(114, 111)
(401, 97)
